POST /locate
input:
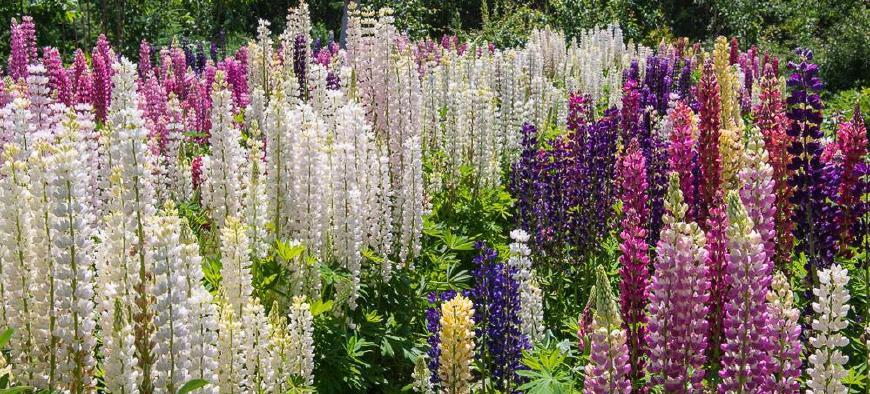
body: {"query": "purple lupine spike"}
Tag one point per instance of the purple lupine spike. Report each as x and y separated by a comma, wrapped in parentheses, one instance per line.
(200, 58)
(634, 261)
(102, 78)
(745, 353)
(807, 178)
(524, 176)
(18, 52)
(630, 110)
(58, 79)
(658, 79)
(144, 59)
(677, 329)
(496, 310)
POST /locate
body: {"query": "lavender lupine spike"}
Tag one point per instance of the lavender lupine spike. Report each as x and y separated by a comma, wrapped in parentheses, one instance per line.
(634, 260)
(804, 110)
(608, 368)
(496, 298)
(784, 333)
(746, 350)
(756, 191)
(680, 288)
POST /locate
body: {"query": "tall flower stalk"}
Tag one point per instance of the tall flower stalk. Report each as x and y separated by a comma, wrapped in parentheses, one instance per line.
(608, 367)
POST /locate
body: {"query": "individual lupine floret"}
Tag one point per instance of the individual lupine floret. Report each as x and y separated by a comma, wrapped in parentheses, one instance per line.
(634, 260)
(680, 288)
(457, 345)
(608, 368)
(826, 365)
(301, 336)
(745, 352)
(757, 191)
(19, 270)
(171, 335)
(236, 265)
(73, 250)
(258, 375)
(223, 191)
(785, 331)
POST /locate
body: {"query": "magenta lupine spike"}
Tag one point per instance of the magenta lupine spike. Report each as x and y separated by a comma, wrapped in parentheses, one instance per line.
(154, 110)
(745, 352)
(102, 65)
(579, 111)
(634, 261)
(784, 332)
(176, 82)
(58, 79)
(196, 108)
(757, 191)
(84, 90)
(28, 32)
(682, 152)
(677, 329)
(144, 59)
(852, 142)
(717, 261)
(79, 67)
(18, 52)
(237, 78)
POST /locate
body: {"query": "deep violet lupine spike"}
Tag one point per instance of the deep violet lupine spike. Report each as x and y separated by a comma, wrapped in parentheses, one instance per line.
(496, 311)
(630, 110)
(524, 176)
(804, 111)
(684, 82)
(300, 63)
(634, 261)
(708, 143)
(772, 122)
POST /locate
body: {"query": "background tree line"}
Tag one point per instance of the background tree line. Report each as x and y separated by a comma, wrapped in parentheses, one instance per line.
(836, 30)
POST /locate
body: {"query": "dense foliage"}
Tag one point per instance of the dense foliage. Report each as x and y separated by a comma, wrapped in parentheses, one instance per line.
(562, 212)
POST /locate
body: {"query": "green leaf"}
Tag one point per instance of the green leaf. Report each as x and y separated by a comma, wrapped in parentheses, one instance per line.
(319, 307)
(6, 336)
(192, 385)
(16, 390)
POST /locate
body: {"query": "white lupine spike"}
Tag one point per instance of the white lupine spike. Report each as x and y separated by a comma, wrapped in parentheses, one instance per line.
(19, 269)
(531, 301)
(231, 357)
(346, 197)
(258, 375)
(45, 116)
(411, 202)
(825, 369)
(45, 305)
(202, 316)
(256, 203)
(119, 358)
(223, 190)
(236, 265)
(171, 342)
(277, 130)
(126, 147)
(301, 331)
(310, 191)
(73, 250)
(17, 125)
